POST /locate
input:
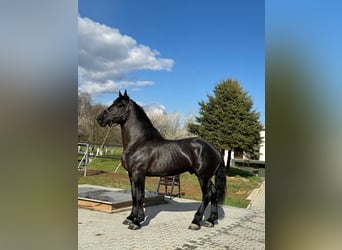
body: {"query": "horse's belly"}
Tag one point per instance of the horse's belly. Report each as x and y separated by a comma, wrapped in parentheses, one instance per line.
(160, 168)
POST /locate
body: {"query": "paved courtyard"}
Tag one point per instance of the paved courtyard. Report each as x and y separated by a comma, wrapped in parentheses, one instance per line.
(166, 227)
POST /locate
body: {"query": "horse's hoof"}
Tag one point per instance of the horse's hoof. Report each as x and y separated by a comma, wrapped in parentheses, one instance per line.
(132, 226)
(208, 224)
(127, 222)
(194, 226)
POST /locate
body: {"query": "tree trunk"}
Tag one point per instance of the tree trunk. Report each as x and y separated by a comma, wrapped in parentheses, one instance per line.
(229, 159)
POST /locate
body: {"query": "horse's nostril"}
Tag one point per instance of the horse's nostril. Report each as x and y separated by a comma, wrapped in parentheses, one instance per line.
(99, 119)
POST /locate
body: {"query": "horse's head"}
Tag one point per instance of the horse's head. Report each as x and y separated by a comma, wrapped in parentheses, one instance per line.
(115, 113)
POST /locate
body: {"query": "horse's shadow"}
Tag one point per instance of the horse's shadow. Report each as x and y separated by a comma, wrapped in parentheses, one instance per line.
(175, 206)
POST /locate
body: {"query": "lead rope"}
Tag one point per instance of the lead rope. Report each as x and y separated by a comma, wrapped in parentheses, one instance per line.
(105, 138)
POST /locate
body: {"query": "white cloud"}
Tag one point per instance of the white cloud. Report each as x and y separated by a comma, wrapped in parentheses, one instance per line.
(154, 109)
(106, 56)
(97, 88)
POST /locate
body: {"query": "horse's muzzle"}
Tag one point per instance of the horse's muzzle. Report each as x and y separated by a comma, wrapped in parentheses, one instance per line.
(101, 121)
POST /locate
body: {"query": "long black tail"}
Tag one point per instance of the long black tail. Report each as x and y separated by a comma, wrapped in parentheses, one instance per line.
(220, 183)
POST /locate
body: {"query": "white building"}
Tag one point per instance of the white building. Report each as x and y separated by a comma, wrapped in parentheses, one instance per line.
(262, 152)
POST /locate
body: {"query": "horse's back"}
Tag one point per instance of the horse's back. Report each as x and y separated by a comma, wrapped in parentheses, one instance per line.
(201, 145)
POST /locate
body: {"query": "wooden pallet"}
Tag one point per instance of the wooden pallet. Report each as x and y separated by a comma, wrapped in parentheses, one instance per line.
(151, 198)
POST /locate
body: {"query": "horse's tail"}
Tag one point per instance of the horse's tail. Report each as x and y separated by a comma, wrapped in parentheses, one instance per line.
(220, 183)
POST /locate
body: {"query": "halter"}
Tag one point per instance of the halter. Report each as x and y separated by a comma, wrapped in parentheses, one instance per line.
(116, 124)
(123, 115)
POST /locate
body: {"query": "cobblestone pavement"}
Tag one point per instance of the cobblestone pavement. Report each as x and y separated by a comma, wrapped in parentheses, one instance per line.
(166, 227)
(257, 198)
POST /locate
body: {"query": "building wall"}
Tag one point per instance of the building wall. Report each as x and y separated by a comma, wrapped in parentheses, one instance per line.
(262, 151)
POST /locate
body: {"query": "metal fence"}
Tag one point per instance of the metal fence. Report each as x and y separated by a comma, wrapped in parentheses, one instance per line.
(88, 151)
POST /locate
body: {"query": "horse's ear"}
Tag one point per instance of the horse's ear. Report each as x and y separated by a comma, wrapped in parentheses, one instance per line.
(125, 95)
(120, 95)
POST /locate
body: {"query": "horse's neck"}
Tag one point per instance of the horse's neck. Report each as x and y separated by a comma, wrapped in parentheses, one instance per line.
(129, 134)
(134, 130)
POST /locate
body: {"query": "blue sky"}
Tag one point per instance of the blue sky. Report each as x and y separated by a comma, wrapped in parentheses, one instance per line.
(171, 53)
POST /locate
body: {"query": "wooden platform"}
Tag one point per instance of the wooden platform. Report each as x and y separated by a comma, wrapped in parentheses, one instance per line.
(112, 200)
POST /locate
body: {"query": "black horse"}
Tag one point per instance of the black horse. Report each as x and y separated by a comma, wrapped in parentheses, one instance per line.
(147, 153)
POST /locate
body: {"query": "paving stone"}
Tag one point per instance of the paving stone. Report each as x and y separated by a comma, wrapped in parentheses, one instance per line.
(166, 227)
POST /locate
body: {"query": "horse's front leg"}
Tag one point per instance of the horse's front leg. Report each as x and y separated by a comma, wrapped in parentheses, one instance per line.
(130, 217)
(138, 196)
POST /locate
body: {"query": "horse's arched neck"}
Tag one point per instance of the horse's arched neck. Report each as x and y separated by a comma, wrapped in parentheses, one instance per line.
(137, 127)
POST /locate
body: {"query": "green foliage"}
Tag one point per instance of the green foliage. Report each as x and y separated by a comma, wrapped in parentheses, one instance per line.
(228, 120)
(239, 172)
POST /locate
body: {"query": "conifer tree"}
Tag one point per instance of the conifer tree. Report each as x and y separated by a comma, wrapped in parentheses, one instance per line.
(228, 120)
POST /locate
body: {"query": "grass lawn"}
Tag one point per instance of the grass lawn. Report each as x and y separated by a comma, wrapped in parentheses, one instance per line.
(102, 172)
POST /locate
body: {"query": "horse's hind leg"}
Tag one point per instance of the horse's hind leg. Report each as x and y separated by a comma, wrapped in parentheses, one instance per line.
(214, 211)
(195, 224)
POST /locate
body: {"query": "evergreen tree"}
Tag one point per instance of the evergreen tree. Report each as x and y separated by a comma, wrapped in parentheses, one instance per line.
(228, 121)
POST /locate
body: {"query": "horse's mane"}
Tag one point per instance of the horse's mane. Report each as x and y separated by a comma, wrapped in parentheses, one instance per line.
(149, 130)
